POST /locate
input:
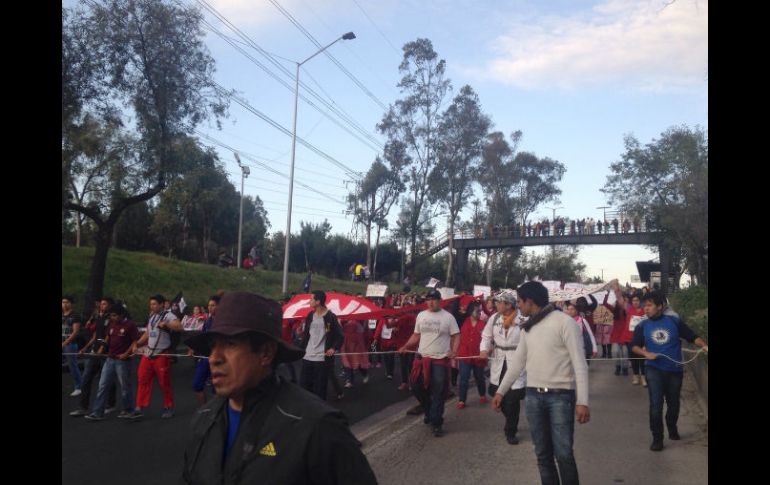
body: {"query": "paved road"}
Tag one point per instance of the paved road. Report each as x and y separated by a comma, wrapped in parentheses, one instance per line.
(612, 448)
(149, 451)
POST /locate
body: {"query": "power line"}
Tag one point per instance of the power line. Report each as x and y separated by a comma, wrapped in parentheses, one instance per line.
(378, 29)
(249, 157)
(349, 171)
(330, 56)
(250, 43)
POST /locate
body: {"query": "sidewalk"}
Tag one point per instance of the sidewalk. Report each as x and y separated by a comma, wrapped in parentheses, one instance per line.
(612, 448)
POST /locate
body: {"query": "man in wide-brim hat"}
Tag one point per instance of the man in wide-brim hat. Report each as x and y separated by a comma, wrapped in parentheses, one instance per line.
(261, 425)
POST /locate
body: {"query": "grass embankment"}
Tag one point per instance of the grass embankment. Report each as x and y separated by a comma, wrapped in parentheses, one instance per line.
(692, 304)
(134, 276)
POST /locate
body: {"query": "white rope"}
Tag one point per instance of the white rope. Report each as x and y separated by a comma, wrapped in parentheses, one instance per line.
(415, 352)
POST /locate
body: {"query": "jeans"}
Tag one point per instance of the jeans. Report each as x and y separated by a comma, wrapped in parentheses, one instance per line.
(202, 375)
(93, 368)
(432, 400)
(621, 352)
(314, 377)
(662, 384)
(636, 365)
(465, 373)
(551, 417)
(72, 362)
(112, 368)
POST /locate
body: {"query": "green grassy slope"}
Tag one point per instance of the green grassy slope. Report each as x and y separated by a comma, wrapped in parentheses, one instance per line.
(133, 277)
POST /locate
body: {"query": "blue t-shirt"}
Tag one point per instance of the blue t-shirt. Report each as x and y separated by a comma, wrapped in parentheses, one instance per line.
(233, 420)
(661, 335)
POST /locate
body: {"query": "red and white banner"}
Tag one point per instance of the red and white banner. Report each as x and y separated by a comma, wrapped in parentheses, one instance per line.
(348, 307)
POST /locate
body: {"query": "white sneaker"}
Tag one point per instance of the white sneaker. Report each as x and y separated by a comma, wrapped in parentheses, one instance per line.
(348, 385)
(366, 379)
(76, 392)
(644, 381)
(109, 410)
(635, 380)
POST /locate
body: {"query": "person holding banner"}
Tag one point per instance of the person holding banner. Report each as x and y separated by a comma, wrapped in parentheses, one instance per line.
(620, 335)
(501, 337)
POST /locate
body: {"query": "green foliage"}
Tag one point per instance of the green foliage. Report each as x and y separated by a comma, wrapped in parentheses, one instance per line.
(692, 304)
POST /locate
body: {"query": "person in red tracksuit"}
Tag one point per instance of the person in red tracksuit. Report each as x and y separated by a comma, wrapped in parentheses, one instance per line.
(621, 336)
(155, 361)
(470, 344)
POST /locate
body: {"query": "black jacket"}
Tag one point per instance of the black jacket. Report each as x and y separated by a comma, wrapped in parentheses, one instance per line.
(286, 436)
(334, 336)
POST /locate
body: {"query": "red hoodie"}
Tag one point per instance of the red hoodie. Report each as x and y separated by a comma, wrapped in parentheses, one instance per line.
(470, 342)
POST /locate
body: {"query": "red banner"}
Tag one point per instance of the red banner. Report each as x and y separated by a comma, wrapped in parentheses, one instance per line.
(348, 307)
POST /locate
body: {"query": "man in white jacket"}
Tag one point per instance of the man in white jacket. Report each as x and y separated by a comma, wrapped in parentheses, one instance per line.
(551, 351)
(499, 340)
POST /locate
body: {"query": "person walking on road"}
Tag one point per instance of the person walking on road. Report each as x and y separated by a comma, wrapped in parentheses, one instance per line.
(557, 383)
(657, 339)
(500, 339)
(438, 336)
(260, 427)
(71, 340)
(321, 339)
(470, 343)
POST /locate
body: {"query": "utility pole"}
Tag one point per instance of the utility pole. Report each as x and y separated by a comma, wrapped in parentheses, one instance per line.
(244, 173)
(604, 209)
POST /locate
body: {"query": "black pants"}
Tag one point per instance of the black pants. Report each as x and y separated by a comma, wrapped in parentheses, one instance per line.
(390, 363)
(93, 371)
(331, 375)
(314, 377)
(406, 360)
(636, 365)
(511, 407)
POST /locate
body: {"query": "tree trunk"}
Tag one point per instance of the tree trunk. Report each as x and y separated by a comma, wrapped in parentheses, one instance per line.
(488, 267)
(95, 284)
(373, 273)
(78, 226)
(114, 235)
(369, 245)
(450, 233)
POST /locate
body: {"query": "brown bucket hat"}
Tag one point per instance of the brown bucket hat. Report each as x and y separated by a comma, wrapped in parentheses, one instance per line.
(243, 312)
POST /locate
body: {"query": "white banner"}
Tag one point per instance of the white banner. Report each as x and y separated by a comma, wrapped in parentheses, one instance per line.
(446, 293)
(575, 293)
(432, 283)
(376, 290)
(552, 285)
(482, 290)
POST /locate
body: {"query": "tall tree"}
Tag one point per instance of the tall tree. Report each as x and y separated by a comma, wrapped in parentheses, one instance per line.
(375, 195)
(148, 73)
(461, 135)
(667, 181)
(413, 120)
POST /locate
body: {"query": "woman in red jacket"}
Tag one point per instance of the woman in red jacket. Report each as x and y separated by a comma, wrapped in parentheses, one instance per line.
(470, 345)
(620, 335)
(405, 328)
(634, 315)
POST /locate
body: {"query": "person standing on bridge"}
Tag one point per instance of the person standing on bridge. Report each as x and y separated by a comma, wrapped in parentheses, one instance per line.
(550, 350)
(438, 336)
(259, 426)
(657, 339)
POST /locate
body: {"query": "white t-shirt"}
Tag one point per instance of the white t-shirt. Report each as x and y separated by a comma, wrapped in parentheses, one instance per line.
(315, 343)
(158, 340)
(435, 330)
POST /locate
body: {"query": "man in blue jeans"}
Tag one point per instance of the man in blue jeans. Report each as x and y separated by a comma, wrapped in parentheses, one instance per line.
(438, 336)
(657, 339)
(71, 340)
(121, 335)
(551, 350)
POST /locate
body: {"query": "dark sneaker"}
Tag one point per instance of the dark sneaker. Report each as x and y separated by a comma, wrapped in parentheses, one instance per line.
(416, 410)
(137, 414)
(426, 420)
(94, 417)
(438, 432)
(125, 415)
(656, 446)
(674, 435)
(167, 413)
(79, 412)
(512, 439)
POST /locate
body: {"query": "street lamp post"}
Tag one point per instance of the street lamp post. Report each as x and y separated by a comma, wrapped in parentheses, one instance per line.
(554, 211)
(604, 211)
(348, 36)
(244, 173)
